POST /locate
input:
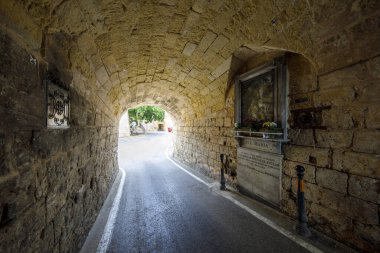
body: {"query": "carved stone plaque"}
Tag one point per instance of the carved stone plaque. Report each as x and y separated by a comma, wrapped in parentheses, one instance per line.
(262, 145)
(58, 107)
(259, 173)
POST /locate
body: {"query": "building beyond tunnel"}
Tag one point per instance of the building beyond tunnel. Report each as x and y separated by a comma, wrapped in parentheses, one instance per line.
(187, 57)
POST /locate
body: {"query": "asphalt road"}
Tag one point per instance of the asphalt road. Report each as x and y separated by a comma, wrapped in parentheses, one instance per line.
(163, 209)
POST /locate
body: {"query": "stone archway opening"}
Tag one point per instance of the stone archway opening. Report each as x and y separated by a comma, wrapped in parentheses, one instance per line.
(156, 119)
(146, 132)
(183, 57)
(142, 123)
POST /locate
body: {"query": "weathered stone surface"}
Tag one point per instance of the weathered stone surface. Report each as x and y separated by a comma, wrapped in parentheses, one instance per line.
(338, 118)
(333, 139)
(359, 34)
(364, 188)
(304, 76)
(179, 58)
(373, 116)
(47, 142)
(308, 155)
(189, 49)
(352, 76)
(332, 179)
(354, 208)
(370, 235)
(338, 96)
(302, 137)
(360, 164)
(367, 141)
(330, 221)
(42, 171)
(222, 68)
(218, 43)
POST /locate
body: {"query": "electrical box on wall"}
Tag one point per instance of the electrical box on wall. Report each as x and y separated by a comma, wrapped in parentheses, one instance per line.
(58, 106)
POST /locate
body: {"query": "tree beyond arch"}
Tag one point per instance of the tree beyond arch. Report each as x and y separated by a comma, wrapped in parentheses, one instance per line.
(146, 114)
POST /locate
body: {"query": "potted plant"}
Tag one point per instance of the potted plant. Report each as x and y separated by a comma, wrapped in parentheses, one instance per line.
(269, 127)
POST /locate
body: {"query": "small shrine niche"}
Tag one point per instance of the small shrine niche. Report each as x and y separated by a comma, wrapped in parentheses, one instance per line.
(261, 101)
(260, 128)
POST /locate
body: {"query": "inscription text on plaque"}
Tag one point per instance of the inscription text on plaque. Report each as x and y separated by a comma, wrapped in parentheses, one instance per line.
(260, 173)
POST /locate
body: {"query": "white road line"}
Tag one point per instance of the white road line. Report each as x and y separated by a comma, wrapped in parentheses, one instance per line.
(194, 176)
(107, 233)
(273, 225)
(268, 222)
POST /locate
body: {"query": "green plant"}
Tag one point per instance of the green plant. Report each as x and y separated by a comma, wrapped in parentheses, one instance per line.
(146, 114)
(270, 125)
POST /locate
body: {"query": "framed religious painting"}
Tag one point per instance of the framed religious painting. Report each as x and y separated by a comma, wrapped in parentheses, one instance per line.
(261, 99)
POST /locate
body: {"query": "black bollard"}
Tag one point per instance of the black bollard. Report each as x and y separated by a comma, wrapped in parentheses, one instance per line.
(301, 227)
(222, 179)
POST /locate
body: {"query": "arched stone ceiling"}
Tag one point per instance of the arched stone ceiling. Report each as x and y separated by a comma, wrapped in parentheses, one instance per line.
(177, 54)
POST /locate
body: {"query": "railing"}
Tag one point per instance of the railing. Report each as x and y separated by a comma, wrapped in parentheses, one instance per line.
(270, 136)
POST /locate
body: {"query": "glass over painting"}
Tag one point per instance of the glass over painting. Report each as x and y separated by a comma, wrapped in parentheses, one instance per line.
(257, 99)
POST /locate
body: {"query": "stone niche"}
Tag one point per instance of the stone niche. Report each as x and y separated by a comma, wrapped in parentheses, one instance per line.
(261, 97)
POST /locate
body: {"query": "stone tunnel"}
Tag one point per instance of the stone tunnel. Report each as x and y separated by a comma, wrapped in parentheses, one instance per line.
(185, 56)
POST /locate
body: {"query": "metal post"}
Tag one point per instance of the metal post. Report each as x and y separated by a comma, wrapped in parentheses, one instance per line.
(222, 179)
(301, 227)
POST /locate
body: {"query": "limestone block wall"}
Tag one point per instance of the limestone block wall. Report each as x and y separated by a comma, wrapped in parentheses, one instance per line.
(200, 141)
(200, 144)
(182, 58)
(342, 160)
(52, 182)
